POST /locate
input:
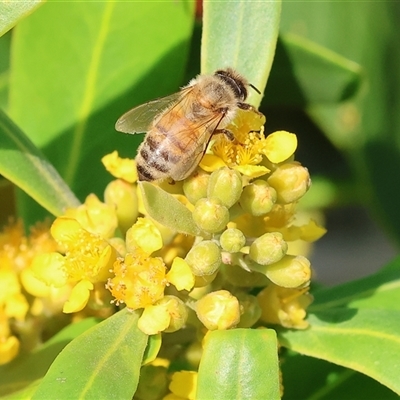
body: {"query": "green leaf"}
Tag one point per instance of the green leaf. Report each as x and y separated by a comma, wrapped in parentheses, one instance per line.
(239, 364)
(23, 164)
(378, 291)
(309, 378)
(5, 42)
(167, 210)
(13, 11)
(68, 86)
(102, 363)
(305, 72)
(23, 373)
(152, 348)
(242, 35)
(365, 340)
(367, 128)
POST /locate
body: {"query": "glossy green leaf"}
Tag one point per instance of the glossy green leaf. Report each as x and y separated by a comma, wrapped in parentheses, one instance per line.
(242, 35)
(157, 202)
(365, 129)
(378, 291)
(239, 364)
(21, 376)
(102, 363)
(78, 66)
(152, 348)
(365, 340)
(5, 42)
(24, 165)
(305, 72)
(309, 378)
(13, 11)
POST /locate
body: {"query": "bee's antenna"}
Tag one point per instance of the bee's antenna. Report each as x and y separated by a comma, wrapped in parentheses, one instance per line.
(252, 86)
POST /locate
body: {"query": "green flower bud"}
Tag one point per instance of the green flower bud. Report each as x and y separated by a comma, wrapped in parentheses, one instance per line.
(268, 248)
(258, 198)
(218, 310)
(290, 272)
(122, 195)
(210, 215)
(195, 186)
(291, 181)
(232, 240)
(204, 258)
(226, 185)
(251, 310)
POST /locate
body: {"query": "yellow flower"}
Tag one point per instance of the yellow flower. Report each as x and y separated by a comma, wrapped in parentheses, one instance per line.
(87, 260)
(184, 385)
(283, 306)
(139, 279)
(95, 216)
(123, 168)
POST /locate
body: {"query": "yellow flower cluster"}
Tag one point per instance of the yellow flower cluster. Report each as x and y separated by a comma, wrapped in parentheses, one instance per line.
(238, 267)
(20, 312)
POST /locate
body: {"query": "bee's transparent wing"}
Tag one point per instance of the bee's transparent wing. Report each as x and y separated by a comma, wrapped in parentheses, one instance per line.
(139, 118)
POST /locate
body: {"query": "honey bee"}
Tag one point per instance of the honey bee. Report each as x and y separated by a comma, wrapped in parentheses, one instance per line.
(180, 126)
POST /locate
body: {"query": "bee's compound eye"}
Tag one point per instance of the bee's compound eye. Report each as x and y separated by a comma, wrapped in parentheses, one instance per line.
(235, 81)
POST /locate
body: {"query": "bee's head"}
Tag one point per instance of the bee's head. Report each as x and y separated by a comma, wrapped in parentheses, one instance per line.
(235, 81)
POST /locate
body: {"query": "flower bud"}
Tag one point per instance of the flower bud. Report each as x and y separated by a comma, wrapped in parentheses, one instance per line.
(290, 272)
(258, 198)
(251, 310)
(122, 195)
(204, 258)
(268, 248)
(210, 215)
(218, 310)
(291, 181)
(195, 186)
(283, 306)
(226, 185)
(232, 240)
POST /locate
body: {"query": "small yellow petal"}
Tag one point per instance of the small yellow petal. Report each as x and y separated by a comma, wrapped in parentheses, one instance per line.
(32, 285)
(8, 349)
(180, 274)
(211, 162)
(123, 168)
(252, 171)
(184, 384)
(79, 297)
(279, 146)
(312, 231)
(49, 268)
(154, 319)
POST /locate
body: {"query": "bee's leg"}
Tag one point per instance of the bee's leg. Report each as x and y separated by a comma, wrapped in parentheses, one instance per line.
(248, 107)
(229, 135)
